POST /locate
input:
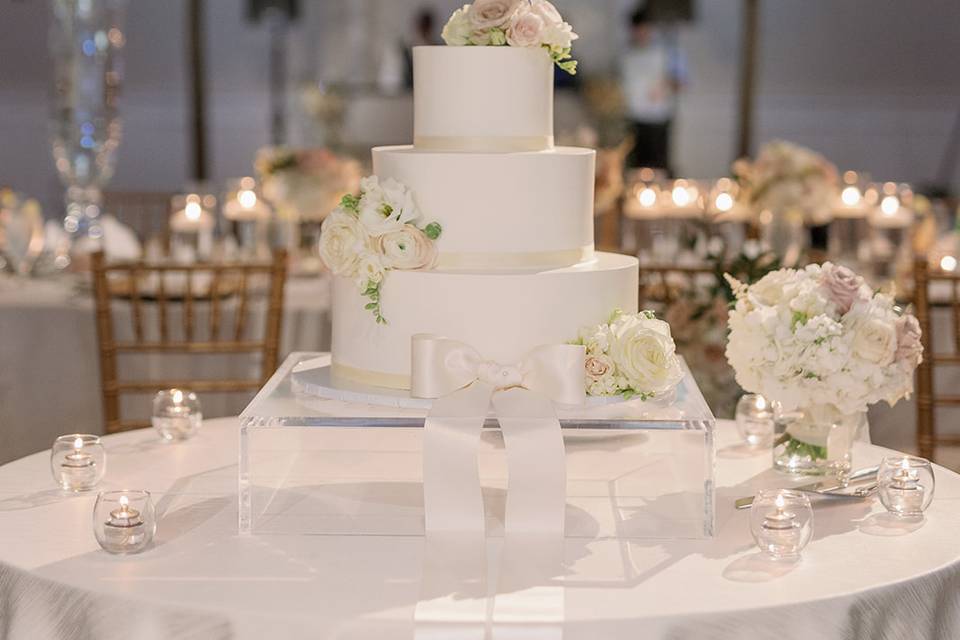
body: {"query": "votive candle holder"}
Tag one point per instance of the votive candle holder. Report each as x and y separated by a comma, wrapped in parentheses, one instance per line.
(78, 461)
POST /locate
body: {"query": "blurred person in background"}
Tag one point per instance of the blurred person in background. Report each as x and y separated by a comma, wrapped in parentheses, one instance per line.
(424, 33)
(653, 71)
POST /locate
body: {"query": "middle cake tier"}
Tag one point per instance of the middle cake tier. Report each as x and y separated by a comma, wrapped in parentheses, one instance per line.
(500, 314)
(501, 210)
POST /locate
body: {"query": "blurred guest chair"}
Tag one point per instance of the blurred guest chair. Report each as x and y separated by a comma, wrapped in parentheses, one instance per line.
(146, 212)
(200, 294)
(929, 285)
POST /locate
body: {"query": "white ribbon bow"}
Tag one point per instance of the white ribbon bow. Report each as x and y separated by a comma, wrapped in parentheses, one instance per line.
(463, 385)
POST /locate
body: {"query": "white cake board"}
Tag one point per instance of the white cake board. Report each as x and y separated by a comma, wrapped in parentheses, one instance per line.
(315, 377)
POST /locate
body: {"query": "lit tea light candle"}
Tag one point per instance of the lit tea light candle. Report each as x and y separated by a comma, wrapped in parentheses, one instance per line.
(177, 414)
(905, 491)
(124, 521)
(192, 217)
(647, 197)
(244, 204)
(685, 199)
(948, 263)
(78, 468)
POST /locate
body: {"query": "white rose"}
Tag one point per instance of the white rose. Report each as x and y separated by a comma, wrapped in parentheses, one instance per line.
(406, 248)
(546, 10)
(875, 340)
(386, 206)
(343, 241)
(485, 14)
(369, 269)
(526, 29)
(558, 37)
(769, 290)
(458, 29)
(645, 354)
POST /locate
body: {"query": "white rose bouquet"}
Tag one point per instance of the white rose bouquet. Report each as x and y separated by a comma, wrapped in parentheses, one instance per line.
(515, 23)
(820, 340)
(370, 234)
(305, 184)
(786, 177)
(632, 355)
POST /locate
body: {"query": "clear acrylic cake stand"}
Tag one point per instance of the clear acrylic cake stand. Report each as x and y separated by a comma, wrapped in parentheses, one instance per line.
(320, 462)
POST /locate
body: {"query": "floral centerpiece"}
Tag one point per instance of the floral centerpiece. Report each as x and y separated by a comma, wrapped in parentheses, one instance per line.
(823, 345)
(305, 184)
(787, 186)
(375, 232)
(515, 23)
(632, 355)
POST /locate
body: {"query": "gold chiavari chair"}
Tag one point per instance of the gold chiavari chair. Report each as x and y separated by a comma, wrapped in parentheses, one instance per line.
(201, 294)
(926, 282)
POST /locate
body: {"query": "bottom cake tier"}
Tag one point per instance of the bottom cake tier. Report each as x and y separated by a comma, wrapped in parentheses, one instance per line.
(502, 315)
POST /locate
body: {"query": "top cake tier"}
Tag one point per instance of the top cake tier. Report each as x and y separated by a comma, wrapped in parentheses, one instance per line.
(484, 99)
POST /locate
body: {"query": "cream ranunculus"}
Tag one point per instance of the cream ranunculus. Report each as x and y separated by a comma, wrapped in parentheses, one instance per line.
(875, 340)
(343, 241)
(458, 29)
(407, 248)
(526, 29)
(486, 14)
(645, 354)
(386, 206)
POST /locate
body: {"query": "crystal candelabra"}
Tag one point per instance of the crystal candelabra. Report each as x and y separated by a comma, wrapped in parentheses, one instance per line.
(85, 44)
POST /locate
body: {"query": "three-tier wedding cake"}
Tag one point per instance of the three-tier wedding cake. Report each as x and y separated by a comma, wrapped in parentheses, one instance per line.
(481, 231)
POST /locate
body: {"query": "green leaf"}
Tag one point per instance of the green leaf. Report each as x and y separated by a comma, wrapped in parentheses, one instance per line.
(350, 202)
(433, 230)
(371, 306)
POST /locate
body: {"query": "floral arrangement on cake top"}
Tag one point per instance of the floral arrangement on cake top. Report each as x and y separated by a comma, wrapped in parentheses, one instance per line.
(305, 184)
(374, 232)
(515, 23)
(786, 178)
(632, 354)
(821, 337)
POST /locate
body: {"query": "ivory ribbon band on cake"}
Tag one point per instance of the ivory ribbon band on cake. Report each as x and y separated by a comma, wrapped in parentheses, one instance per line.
(531, 259)
(483, 144)
(463, 385)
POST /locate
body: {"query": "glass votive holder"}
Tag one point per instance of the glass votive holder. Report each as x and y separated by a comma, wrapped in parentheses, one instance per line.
(781, 521)
(177, 414)
(124, 521)
(754, 416)
(78, 461)
(906, 485)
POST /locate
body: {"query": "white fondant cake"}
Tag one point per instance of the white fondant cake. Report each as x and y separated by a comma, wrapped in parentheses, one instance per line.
(509, 216)
(502, 315)
(501, 210)
(482, 98)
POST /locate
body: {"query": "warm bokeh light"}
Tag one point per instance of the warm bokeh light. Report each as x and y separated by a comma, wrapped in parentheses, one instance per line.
(724, 202)
(647, 197)
(192, 211)
(680, 196)
(247, 198)
(850, 196)
(948, 263)
(890, 205)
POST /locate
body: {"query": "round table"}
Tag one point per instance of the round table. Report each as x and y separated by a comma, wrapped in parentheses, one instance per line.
(862, 576)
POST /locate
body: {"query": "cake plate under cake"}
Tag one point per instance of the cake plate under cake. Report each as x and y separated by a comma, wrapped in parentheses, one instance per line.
(347, 461)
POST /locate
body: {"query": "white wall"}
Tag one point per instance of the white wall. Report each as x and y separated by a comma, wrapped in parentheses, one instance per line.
(871, 83)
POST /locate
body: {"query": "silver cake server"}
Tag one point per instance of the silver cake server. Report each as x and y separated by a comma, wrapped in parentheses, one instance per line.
(834, 487)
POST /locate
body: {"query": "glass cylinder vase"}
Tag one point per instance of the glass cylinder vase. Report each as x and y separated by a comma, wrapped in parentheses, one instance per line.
(85, 42)
(816, 440)
(783, 233)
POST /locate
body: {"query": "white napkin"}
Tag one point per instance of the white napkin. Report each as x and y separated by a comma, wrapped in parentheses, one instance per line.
(119, 241)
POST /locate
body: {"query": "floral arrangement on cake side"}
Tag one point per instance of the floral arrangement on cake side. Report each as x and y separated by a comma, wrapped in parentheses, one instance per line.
(515, 23)
(305, 184)
(821, 342)
(632, 354)
(375, 232)
(786, 178)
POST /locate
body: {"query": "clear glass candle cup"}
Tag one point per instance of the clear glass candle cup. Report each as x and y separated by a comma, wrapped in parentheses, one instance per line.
(77, 462)
(124, 521)
(906, 485)
(754, 416)
(781, 521)
(177, 414)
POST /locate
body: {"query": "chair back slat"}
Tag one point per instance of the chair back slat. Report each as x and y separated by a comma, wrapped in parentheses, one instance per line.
(148, 294)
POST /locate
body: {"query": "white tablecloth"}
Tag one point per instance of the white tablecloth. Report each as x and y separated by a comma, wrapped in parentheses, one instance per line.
(860, 578)
(49, 371)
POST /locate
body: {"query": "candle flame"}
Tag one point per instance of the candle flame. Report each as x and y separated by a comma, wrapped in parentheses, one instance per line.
(247, 198)
(724, 202)
(78, 444)
(192, 211)
(177, 396)
(948, 263)
(680, 196)
(905, 464)
(124, 501)
(780, 502)
(647, 197)
(890, 205)
(850, 196)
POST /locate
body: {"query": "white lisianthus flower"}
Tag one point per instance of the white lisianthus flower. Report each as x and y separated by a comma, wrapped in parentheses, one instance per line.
(343, 240)
(386, 206)
(458, 29)
(369, 269)
(486, 14)
(407, 248)
(526, 28)
(645, 354)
